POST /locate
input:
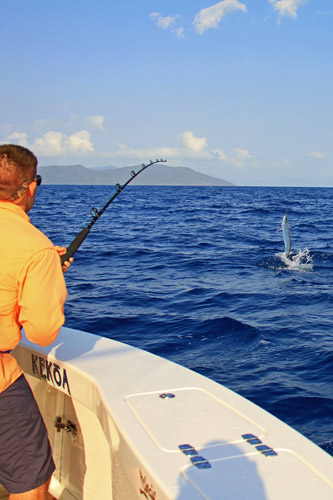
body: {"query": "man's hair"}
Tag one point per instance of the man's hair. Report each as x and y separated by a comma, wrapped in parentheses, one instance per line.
(17, 165)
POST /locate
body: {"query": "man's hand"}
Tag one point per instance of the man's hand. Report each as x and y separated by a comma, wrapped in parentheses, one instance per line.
(61, 251)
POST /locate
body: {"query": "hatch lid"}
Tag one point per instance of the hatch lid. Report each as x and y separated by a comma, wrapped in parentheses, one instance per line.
(190, 416)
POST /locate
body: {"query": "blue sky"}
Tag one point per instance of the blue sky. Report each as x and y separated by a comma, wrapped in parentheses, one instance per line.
(240, 90)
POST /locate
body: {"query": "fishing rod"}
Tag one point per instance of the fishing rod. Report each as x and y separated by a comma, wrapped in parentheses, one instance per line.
(81, 236)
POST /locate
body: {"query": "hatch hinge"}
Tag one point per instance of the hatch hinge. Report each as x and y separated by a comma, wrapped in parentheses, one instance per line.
(69, 427)
(265, 450)
(196, 459)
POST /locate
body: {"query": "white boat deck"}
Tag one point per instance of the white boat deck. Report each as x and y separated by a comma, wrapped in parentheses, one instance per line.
(126, 424)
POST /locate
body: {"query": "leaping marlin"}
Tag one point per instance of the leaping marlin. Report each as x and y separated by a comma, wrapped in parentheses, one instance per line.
(286, 234)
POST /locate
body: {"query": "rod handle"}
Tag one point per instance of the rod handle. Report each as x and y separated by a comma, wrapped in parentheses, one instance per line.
(76, 243)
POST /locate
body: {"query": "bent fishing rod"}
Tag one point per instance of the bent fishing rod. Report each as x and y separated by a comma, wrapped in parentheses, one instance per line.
(81, 236)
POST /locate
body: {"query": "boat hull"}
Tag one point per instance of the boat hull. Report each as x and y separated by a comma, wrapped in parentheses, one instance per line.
(126, 424)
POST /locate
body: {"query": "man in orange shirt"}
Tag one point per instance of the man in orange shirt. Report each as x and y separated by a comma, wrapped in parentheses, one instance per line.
(32, 296)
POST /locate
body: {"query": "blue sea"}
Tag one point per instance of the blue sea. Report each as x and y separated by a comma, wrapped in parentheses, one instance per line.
(198, 275)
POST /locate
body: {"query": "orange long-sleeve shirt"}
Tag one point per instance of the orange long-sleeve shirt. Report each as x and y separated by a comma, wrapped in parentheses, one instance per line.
(32, 288)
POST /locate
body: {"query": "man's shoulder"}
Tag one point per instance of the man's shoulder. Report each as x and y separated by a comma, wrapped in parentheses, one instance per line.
(38, 237)
(19, 233)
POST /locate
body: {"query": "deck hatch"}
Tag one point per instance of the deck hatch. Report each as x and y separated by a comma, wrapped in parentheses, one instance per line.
(192, 416)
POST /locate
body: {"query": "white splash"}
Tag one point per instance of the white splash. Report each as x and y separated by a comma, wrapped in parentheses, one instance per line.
(301, 261)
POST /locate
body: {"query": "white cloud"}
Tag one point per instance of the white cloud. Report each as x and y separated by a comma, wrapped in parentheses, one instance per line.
(59, 145)
(287, 8)
(168, 22)
(50, 144)
(193, 143)
(97, 121)
(56, 144)
(212, 16)
(180, 32)
(163, 22)
(220, 154)
(79, 143)
(316, 155)
(20, 138)
(207, 18)
(239, 156)
(194, 148)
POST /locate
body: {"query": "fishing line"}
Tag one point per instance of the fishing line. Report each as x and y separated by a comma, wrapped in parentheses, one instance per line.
(81, 236)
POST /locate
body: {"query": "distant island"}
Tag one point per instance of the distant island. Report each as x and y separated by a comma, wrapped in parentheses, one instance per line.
(156, 175)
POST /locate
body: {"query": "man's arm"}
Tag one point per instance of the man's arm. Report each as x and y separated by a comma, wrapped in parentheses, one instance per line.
(42, 294)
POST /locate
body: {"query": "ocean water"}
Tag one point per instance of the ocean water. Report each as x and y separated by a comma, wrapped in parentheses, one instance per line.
(198, 275)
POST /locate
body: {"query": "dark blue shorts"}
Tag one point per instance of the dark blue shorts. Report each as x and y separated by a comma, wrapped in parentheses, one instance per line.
(25, 454)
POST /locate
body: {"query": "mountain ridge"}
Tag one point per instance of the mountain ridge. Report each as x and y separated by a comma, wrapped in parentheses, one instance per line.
(157, 175)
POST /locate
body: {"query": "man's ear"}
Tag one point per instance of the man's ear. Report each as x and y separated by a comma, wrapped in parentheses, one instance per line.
(32, 188)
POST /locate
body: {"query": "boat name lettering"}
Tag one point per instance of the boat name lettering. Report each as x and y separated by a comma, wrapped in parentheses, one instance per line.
(50, 371)
(147, 490)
